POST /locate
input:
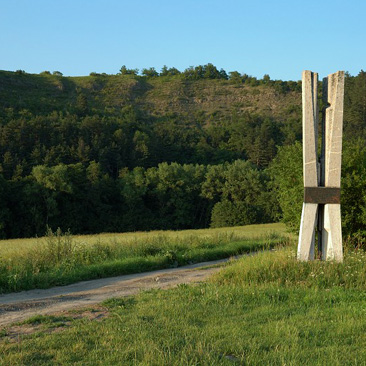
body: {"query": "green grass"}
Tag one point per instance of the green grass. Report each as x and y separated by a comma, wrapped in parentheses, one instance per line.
(267, 309)
(49, 320)
(61, 259)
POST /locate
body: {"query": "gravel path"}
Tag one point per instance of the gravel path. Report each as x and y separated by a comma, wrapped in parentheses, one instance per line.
(16, 307)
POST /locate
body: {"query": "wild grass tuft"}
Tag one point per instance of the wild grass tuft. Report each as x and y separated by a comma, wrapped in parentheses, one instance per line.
(59, 258)
(47, 319)
(282, 269)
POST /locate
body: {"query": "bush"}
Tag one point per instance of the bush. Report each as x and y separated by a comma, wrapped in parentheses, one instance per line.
(228, 213)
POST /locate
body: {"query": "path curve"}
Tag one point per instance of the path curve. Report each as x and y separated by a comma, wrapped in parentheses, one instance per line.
(16, 307)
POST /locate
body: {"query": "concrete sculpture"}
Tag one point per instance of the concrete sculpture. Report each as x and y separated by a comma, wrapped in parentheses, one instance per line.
(322, 173)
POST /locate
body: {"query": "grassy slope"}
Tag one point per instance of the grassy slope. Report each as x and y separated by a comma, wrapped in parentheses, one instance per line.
(62, 259)
(262, 310)
(44, 93)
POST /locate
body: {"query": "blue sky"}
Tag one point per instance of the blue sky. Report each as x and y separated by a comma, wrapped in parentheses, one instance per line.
(280, 38)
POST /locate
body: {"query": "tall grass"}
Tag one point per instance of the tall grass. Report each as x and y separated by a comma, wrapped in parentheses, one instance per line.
(266, 309)
(59, 258)
(13, 247)
(286, 271)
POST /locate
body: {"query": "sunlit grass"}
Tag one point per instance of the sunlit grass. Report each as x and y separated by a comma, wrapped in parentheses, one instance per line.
(15, 246)
(61, 258)
(266, 309)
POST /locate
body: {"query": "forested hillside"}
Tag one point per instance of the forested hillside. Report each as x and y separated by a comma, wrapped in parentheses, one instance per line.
(138, 152)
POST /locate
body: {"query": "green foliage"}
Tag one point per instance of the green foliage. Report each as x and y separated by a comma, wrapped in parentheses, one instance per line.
(69, 147)
(288, 186)
(286, 172)
(208, 71)
(172, 71)
(353, 198)
(241, 188)
(125, 71)
(175, 193)
(150, 73)
(355, 105)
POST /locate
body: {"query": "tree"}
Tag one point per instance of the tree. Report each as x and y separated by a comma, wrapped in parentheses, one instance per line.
(242, 192)
(355, 105)
(235, 76)
(173, 71)
(287, 183)
(174, 195)
(141, 143)
(211, 72)
(164, 71)
(150, 73)
(125, 71)
(81, 104)
(169, 72)
(266, 79)
(223, 74)
(353, 198)
(5, 213)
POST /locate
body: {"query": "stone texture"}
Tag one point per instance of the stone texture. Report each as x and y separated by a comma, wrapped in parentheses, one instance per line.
(310, 128)
(333, 91)
(332, 232)
(305, 249)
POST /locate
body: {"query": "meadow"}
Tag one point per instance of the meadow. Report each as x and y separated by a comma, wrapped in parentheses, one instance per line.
(266, 309)
(60, 258)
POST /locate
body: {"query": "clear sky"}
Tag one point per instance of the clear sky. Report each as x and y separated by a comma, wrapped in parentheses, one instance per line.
(278, 37)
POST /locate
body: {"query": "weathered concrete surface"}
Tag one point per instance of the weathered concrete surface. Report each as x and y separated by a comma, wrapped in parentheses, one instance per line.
(333, 129)
(333, 92)
(306, 247)
(306, 244)
(310, 128)
(332, 233)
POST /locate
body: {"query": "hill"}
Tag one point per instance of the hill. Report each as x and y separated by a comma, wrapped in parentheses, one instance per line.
(155, 96)
(154, 151)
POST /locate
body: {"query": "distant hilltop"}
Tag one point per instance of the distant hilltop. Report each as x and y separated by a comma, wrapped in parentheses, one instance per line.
(202, 90)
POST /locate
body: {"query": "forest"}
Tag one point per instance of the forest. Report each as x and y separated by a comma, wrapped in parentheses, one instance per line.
(170, 150)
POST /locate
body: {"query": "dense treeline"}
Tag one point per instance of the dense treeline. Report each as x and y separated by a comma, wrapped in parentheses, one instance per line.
(94, 170)
(170, 196)
(127, 141)
(210, 71)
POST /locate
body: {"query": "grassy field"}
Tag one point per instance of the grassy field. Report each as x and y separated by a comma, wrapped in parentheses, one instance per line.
(60, 258)
(267, 309)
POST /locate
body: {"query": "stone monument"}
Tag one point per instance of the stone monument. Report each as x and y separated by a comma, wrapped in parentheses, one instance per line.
(321, 209)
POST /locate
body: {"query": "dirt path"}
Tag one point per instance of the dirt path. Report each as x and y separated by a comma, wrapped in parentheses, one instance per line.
(15, 307)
